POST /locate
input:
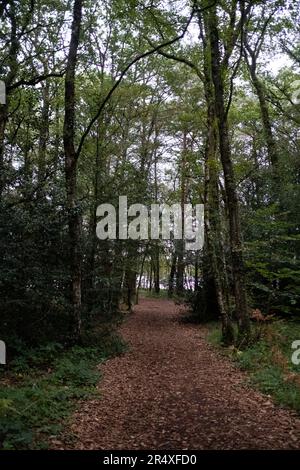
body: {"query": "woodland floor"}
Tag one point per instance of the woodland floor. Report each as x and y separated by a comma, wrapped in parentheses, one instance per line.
(172, 390)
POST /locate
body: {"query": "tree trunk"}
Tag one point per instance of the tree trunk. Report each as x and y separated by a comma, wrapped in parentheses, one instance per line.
(150, 275)
(180, 243)
(3, 121)
(74, 219)
(216, 275)
(230, 185)
(264, 111)
(129, 286)
(172, 275)
(196, 277)
(43, 138)
(156, 270)
(90, 274)
(12, 72)
(140, 276)
(180, 267)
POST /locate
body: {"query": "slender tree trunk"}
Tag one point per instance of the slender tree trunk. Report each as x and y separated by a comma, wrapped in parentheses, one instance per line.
(150, 275)
(172, 274)
(196, 277)
(180, 243)
(74, 219)
(155, 261)
(156, 270)
(57, 135)
(264, 111)
(12, 72)
(140, 276)
(3, 121)
(180, 267)
(129, 286)
(43, 138)
(90, 275)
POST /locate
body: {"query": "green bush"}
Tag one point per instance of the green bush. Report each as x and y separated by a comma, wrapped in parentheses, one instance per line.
(36, 401)
(268, 361)
(69, 372)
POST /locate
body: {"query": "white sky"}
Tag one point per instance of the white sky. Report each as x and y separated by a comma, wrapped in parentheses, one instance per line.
(278, 62)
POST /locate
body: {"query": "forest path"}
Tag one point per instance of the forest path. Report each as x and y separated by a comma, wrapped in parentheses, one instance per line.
(172, 390)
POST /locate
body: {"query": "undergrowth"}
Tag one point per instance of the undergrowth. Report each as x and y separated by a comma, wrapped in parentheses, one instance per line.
(39, 389)
(162, 294)
(268, 360)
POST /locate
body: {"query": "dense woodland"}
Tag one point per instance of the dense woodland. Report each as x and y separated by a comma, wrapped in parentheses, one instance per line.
(165, 102)
(162, 101)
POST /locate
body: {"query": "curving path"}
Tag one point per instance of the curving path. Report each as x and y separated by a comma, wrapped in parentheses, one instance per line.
(173, 391)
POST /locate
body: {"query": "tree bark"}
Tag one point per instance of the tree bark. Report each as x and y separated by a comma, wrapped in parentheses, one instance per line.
(230, 185)
(74, 219)
(3, 122)
(264, 110)
(155, 267)
(140, 276)
(12, 72)
(172, 274)
(44, 134)
(196, 277)
(180, 243)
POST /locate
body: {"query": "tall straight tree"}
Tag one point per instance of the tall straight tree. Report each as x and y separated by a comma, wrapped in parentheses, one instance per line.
(214, 244)
(74, 219)
(219, 70)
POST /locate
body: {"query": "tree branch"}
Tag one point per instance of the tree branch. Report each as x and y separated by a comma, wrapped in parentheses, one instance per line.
(183, 61)
(35, 80)
(123, 73)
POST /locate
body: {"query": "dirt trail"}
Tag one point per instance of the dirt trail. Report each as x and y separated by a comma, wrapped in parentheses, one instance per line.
(173, 391)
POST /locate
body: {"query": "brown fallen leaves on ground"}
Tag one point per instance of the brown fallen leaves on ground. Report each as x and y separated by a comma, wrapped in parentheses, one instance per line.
(171, 390)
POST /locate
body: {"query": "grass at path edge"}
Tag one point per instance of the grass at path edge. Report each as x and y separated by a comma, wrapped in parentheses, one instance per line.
(39, 391)
(268, 360)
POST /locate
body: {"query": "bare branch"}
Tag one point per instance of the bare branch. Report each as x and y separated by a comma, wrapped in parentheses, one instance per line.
(35, 80)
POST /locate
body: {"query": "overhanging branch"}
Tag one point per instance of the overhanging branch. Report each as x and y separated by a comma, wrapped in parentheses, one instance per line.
(134, 61)
(123, 73)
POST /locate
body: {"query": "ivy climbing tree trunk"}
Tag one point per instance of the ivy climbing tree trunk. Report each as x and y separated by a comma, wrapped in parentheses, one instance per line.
(213, 228)
(217, 73)
(216, 289)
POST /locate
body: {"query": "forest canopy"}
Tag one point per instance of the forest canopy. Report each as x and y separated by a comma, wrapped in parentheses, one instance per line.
(165, 102)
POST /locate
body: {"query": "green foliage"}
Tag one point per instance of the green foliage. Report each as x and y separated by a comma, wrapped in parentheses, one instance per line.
(271, 381)
(162, 294)
(35, 402)
(33, 299)
(157, 116)
(268, 361)
(273, 262)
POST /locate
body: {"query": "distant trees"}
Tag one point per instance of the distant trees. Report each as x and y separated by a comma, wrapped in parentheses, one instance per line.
(114, 103)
